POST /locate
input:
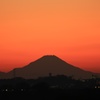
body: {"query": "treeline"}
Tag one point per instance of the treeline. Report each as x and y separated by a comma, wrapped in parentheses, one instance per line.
(59, 81)
(58, 87)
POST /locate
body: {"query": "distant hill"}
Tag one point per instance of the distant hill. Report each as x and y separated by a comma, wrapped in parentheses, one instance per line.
(46, 65)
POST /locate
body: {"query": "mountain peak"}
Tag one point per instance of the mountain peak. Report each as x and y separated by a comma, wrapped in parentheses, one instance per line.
(49, 59)
(46, 56)
(49, 55)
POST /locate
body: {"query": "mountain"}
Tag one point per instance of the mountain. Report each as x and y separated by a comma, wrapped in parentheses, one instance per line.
(46, 65)
(2, 75)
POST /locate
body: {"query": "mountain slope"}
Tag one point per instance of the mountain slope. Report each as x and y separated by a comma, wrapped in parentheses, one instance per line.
(48, 64)
(2, 75)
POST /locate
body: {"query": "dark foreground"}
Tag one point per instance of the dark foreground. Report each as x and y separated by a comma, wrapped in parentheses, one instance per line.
(50, 88)
(53, 94)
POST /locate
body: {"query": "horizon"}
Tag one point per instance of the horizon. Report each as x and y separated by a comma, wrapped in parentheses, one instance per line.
(43, 57)
(69, 29)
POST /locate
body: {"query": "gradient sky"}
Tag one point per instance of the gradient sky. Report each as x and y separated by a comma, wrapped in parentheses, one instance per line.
(69, 29)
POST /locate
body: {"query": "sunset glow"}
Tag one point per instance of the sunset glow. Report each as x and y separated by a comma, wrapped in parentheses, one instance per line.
(69, 29)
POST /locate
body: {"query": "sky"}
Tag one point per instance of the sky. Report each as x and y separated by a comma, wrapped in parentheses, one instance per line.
(69, 29)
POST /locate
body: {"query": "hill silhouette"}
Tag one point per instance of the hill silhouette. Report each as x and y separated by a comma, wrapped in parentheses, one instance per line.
(48, 65)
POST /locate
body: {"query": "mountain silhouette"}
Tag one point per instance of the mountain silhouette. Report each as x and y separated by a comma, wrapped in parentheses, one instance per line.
(2, 75)
(46, 65)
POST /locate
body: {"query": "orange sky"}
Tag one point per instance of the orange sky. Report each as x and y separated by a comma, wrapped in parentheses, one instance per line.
(69, 29)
